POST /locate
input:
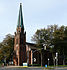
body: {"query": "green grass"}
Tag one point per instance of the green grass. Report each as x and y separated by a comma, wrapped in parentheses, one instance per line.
(34, 65)
(0, 65)
(49, 68)
(61, 65)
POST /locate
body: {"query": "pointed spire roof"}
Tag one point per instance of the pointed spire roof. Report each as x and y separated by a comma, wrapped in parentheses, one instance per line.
(20, 18)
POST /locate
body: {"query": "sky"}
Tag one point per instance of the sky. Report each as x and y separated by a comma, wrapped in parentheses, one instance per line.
(37, 14)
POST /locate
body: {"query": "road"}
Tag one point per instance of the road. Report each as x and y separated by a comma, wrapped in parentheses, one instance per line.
(31, 68)
(60, 68)
(21, 69)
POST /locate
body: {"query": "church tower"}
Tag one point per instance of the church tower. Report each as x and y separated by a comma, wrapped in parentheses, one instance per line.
(20, 41)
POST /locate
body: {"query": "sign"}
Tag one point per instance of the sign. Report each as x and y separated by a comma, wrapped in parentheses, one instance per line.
(25, 65)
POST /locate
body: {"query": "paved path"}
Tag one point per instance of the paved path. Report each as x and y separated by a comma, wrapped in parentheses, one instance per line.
(21, 68)
(30, 68)
(60, 68)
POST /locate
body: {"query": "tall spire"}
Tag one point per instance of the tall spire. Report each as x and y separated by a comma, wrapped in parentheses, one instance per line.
(20, 18)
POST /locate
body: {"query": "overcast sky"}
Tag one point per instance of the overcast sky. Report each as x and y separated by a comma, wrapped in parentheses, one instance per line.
(36, 14)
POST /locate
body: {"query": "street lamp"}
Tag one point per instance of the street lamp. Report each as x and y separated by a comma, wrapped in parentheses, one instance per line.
(48, 61)
(56, 58)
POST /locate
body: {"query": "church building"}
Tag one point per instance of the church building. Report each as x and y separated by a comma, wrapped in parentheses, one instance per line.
(21, 48)
(24, 51)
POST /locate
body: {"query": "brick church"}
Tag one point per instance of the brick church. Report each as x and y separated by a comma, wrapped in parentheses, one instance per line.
(23, 51)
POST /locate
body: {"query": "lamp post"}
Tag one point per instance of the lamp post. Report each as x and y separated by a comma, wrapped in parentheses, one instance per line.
(56, 58)
(48, 61)
(55, 61)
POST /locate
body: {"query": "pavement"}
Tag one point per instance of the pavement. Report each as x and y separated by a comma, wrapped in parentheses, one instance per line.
(60, 68)
(21, 68)
(31, 68)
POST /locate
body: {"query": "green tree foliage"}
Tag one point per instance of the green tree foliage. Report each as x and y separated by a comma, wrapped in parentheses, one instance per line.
(41, 36)
(55, 37)
(6, 48)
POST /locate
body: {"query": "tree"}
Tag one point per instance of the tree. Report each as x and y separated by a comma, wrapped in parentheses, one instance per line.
(55, 37)
(6, 48)
(41, 37)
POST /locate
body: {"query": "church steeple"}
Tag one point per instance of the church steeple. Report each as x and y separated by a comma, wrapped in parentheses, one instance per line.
(20, 18)
(20, 41)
